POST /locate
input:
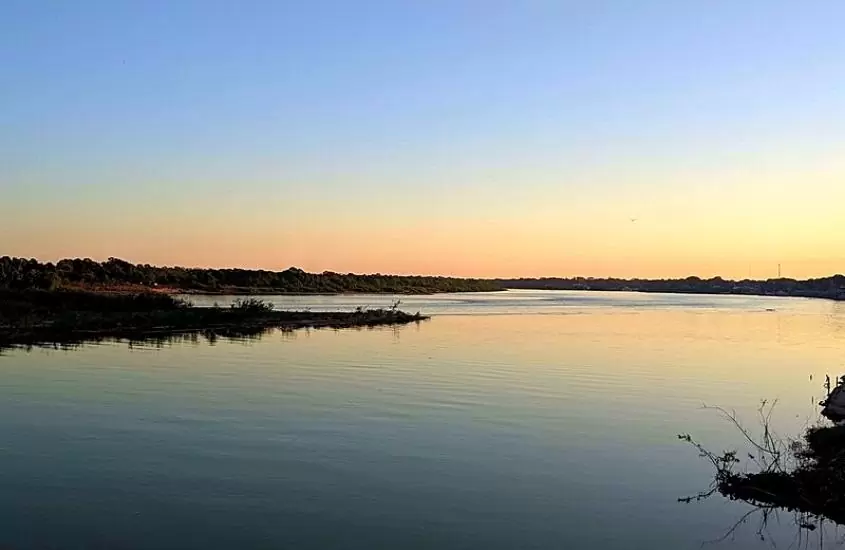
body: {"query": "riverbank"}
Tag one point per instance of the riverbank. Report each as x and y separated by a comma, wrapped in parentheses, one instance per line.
(837, 295)
(816, 485)
(66, 317)
(115, 275)
(829, 288)
(24, 273)
(242, 291)
(805, 475)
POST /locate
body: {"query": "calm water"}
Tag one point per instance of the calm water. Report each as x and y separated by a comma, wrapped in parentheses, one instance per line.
(510, 420)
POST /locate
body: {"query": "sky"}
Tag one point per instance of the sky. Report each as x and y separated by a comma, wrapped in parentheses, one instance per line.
(462, 137)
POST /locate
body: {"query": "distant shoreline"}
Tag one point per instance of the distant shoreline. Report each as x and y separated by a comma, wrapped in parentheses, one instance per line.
(680, 292)
(837, 298)
(116, 275)
(828, 288)
(270, 292)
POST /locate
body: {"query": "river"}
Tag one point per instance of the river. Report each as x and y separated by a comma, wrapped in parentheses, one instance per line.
(520, 419)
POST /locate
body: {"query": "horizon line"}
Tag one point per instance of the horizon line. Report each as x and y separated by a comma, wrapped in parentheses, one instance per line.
(379, 273)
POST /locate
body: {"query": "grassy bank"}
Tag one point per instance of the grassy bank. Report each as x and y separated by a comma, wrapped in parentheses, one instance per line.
(814, 484)
(37, 317)
(805, 476)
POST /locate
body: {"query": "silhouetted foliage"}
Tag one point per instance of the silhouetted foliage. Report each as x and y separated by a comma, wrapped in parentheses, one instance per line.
(827, 287)
(14, 303)
(806, 475)
(251, 305)
(20, 273)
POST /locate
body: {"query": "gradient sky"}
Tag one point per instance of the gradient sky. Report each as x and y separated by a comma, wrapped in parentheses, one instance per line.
(478, 138)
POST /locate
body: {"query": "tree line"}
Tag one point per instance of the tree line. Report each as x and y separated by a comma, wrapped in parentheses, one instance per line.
(23, 273)
(825, 287)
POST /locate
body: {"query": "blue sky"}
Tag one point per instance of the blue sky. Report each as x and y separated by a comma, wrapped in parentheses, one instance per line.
(169, 121)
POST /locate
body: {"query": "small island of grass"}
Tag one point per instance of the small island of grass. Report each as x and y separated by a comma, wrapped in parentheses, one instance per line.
(67, 316)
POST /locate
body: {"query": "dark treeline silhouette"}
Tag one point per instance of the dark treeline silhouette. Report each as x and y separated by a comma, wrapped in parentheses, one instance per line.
(21, 273)
(827, 287)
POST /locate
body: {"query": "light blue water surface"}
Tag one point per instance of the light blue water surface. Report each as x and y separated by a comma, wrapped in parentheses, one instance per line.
(509, 420)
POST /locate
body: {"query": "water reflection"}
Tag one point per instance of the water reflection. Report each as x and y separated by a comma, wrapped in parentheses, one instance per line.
(795, 476)
(809, 530)
(211, 337)
(769, 523)
(469, 431)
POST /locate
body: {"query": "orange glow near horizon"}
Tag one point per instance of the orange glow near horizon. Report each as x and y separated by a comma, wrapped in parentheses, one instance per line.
(734, 223)
(475, 251)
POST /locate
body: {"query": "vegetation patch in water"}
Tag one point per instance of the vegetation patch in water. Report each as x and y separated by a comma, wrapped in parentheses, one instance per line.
(67, 316)
(805, 476)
